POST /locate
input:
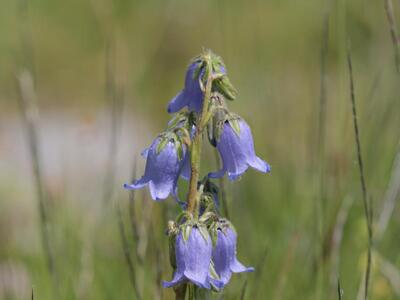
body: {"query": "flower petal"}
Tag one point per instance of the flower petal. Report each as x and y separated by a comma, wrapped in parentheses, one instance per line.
(222, 255)
(237, 267)
(197, 258)
(178, 278)
(138, 184)
(260, 165)
(237, 152)
(178, 102)
(186, 168)
(217, 174)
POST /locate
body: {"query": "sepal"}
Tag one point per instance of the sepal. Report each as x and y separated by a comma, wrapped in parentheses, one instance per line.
(233, 120)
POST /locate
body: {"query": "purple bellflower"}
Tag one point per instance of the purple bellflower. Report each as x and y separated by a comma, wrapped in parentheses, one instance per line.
(237, 152)
(162, 170)
(224, 256)
(191, 95)
(193, 259)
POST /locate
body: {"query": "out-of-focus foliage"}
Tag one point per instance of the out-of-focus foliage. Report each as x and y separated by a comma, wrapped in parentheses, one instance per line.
(272, 50)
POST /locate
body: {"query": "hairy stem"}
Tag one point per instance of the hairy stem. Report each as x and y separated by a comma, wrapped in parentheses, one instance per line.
(197, 142)
(195, 153)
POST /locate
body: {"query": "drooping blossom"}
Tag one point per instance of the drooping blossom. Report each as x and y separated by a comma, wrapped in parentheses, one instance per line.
(162, 170)
(237, 152)
(191, 96)
(193, 258)
(224, 256)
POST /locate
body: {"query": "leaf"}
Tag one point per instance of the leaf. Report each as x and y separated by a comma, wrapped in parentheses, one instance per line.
(235, 125)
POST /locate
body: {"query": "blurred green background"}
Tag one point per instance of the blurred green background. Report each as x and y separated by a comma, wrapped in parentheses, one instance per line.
(302, 226)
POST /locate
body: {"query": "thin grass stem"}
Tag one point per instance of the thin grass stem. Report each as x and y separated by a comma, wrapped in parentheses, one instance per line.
(393, 32)
(367, 206)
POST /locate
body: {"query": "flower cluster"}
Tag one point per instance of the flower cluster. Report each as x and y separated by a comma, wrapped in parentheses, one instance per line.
(203, 243)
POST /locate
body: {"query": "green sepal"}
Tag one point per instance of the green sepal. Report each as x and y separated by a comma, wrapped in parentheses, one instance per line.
(204, 232)
(163, 142)
(184, 135)
(206, 216)
(224, 86)
(181, 118)
(181, 215)
(214, 233)
(172, 231)
(186, 230)
(214, 275)
(210, 134)
(179, 149)
(215, 127)
(200, 64)
(234, 122)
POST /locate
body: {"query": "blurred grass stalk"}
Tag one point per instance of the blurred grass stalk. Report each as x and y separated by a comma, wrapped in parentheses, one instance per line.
(337, 238)
(389, 202)
(393, 32)
(30, 116)
(114, 97)
(321, 141)
(368, 210)
(30, 119)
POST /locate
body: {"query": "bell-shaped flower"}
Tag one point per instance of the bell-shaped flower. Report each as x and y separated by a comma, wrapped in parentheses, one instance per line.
(193, 258)
(224, 255)
(163, 168)
(237, 152)
(191, 96)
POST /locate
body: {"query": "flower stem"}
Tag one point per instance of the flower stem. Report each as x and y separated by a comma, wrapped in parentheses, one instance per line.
(195, 151)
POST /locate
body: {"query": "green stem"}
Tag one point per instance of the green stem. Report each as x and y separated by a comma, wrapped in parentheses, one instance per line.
(195, 151)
